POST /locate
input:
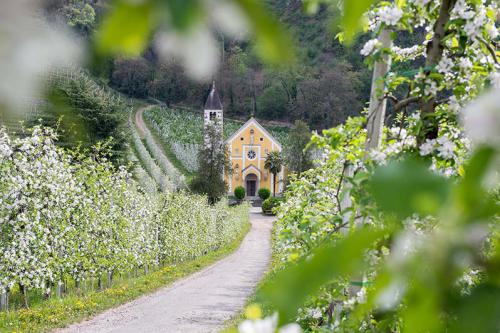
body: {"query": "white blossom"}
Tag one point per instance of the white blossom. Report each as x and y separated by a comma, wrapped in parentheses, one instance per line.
(495, 79)
(390, 15)
(481, 119)
(291, 328)
(446, 147)
(445, 65)
(266, 325)
(369, 47)
(420, 3)
(378, 156)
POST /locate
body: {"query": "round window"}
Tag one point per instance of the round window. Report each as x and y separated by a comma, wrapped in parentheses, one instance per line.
(251, 154)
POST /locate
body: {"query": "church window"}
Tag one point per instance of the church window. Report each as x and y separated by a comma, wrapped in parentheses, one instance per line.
(251, 155)
(261, 139)
(241, 138)
(212, 116)
(252, 131)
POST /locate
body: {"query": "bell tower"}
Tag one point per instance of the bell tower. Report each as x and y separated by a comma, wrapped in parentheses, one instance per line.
(213, 110)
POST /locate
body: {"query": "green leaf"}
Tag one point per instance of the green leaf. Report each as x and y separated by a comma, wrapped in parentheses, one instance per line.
(353, 17)
(479, 312)
(290, 287)
(126, 29)
(184, 13)
(409, 187)
(473, 200)
(273, 44)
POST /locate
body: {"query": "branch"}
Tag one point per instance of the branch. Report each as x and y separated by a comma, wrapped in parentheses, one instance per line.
(339, 186)
(405, 102)
(490, 49)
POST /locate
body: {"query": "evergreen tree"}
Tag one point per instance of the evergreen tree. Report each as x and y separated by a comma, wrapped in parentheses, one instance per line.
(297, 157)
(213, 161)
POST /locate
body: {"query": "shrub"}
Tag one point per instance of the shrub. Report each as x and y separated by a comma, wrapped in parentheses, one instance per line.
(264, 193)
(269, 204)
(239, 192)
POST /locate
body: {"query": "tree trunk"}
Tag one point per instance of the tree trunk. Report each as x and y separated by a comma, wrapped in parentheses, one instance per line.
(274, 184)
(434, 54)
(24, 294)
(110, 278)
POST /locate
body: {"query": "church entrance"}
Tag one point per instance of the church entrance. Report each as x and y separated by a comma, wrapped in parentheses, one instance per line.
(251, 185)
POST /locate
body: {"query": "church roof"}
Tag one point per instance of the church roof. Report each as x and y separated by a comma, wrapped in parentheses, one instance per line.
(213, 100)
(253, 121)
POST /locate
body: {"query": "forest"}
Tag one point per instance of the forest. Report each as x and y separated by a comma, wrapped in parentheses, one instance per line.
(323, 87)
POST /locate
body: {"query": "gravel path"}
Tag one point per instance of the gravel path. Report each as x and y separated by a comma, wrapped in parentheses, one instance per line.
(201, 302)
(139, 120)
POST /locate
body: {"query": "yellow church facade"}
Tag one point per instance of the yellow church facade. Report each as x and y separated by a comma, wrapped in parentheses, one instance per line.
(248, 148)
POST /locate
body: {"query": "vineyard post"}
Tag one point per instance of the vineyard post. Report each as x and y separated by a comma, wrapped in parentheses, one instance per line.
(59, 289)
(4, 301)
(376, 116)
(378, 102)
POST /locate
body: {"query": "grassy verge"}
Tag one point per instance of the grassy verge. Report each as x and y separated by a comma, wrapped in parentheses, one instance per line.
(55, 312)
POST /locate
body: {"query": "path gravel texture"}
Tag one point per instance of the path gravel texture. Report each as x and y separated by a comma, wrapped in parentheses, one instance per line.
(201, 302)
(139, 120)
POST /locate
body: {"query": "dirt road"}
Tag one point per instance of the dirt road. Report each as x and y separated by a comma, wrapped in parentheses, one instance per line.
(200, 303)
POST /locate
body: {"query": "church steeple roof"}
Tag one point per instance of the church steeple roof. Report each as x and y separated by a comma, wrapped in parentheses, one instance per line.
(213, 100)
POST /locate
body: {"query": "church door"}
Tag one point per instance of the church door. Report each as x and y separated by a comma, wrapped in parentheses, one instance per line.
(251, 185)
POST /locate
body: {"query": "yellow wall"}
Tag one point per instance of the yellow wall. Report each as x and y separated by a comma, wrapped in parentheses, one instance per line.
(239, 147)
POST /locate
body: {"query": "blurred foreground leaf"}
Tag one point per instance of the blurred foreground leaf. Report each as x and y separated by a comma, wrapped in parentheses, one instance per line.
(290, 287)
(473, 200)
(352, 20)
(273, 43)
(479, 312)
(126, 28)
(408, 187)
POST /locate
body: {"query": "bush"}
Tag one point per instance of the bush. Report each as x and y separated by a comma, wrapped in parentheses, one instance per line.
(264, 193)
(239, 192)
(269, 204)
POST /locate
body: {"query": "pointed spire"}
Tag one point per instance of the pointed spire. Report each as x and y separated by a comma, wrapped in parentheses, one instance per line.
(213, 100)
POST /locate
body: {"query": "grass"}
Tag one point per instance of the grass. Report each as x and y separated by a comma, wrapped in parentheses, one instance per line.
(59, 312)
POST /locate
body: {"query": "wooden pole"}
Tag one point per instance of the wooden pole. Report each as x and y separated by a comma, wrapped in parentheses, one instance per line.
(378, 102)
(376, 116)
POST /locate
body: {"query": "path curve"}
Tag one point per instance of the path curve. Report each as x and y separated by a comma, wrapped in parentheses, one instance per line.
(139, 120)
(201, 302)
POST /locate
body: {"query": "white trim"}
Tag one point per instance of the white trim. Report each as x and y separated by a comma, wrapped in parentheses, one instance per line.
(244, 172)
(260, 127)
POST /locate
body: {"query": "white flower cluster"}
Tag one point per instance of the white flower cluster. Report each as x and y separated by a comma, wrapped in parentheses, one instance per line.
(267, 325)
(390, 15)
(408, 53)
(369, 47)
(476, 19)
(68, 215)
(444, 146)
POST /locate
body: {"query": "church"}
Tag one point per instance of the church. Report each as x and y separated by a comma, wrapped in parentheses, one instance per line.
(248, 148)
